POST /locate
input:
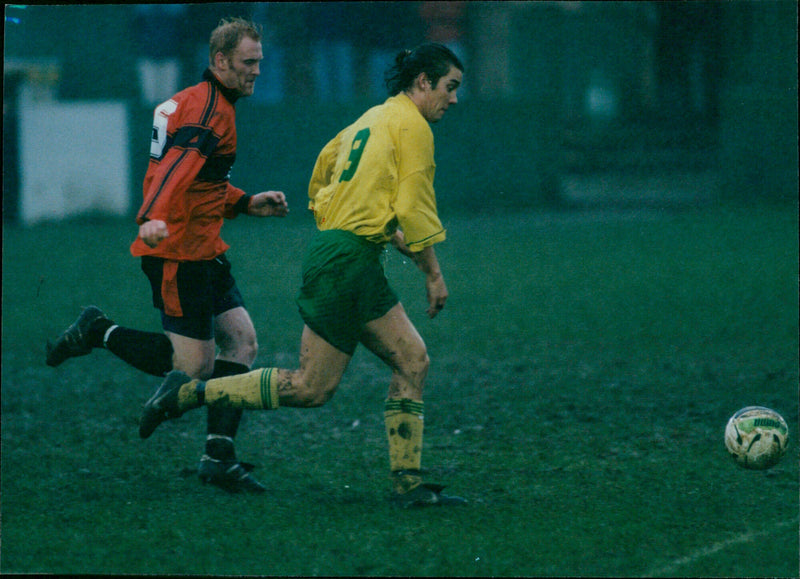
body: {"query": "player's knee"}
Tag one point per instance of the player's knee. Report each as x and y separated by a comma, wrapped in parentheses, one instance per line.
(415, 367)
(314, 398)
(243, 348)
(249, 350)
(313, 395)
(317, 399)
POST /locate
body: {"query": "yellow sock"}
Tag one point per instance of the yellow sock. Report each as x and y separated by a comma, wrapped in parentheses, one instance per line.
(187, 395)
(256, 390)
(404, 424)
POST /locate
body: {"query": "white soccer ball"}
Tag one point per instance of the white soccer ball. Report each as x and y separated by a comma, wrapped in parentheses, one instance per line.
(756, 437)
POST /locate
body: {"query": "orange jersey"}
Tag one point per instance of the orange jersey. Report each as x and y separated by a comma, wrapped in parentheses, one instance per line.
(192, 150)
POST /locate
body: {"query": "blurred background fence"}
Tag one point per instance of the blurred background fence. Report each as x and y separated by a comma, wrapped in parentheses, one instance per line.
(564, 103)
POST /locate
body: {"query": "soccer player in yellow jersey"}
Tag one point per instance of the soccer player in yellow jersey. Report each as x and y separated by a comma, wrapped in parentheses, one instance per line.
(371, 185)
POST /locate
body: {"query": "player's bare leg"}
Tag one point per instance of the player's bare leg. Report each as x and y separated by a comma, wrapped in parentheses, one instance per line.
(321, 369)
(395, 340)
(313, 384)
(238, 348)
(192, 356)
(236, 337)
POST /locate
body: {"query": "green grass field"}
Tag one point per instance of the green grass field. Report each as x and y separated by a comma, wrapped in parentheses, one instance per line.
(582, 375)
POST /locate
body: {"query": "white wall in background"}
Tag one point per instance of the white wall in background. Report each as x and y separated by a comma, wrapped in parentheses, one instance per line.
(74, 159)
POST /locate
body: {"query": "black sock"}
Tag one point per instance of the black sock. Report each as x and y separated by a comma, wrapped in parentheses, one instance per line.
(149, 352)
(223, 423)
(97, 331)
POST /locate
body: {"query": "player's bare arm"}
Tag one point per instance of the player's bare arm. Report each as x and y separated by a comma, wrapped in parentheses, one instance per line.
(399, 242)
(429, 265)
(153, 232)
(434, 280)
(268, 204)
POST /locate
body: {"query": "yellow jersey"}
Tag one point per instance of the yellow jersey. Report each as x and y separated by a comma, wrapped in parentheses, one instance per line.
(377, 175)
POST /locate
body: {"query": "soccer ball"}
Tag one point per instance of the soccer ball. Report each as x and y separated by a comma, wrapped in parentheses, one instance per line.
(756, 437)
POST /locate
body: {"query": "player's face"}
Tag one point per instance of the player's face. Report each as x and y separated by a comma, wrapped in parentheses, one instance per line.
(438, 98)
(240, 70)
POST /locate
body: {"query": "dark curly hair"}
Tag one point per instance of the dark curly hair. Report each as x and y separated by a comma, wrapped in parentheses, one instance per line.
(433, 59)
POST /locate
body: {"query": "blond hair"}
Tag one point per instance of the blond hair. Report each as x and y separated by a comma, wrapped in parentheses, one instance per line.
(229, 33)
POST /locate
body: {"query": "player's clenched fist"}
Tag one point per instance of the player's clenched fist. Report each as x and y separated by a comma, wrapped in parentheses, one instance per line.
(268, 203)
(153, 232)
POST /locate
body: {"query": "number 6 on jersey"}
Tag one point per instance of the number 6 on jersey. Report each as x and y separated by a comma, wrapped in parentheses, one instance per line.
(160, 119)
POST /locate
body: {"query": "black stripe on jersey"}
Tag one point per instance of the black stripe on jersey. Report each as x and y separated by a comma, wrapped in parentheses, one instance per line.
(211, 104)
(217, 168)
(201, 139)
(166, 179)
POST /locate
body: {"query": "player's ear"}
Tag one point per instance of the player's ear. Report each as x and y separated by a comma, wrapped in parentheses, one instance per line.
(220, 61)
(422, 81)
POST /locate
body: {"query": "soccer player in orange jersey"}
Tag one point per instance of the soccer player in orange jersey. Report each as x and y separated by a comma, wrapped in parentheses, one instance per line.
(187, 195)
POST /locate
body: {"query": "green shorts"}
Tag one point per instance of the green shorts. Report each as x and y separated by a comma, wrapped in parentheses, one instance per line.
(344, 287)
